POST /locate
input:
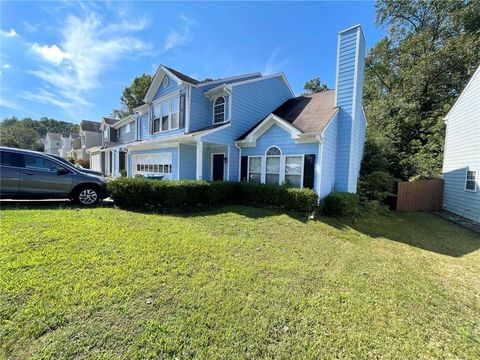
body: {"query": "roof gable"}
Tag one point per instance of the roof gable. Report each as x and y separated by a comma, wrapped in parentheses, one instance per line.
(163, 71)
(476, 74)
(88, 125)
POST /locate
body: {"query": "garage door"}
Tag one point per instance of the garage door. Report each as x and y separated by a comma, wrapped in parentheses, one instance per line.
(95, 163)
(153, 165)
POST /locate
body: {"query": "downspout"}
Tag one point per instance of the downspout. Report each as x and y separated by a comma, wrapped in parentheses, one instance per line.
(319, 164)
(239, 161)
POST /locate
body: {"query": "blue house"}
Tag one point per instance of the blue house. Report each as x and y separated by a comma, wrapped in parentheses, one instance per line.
(252, 127)
(461, 160)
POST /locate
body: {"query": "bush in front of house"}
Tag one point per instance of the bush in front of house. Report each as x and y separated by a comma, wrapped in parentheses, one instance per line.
(340, 204)
(190, 195)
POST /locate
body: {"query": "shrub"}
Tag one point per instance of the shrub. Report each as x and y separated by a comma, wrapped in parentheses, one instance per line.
(376, 186)
(83, 163)
(189, 195)
(340, 204)
(123, 172)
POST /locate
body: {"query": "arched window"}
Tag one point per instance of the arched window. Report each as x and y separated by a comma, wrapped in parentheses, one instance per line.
(219, 110)
(272, 171)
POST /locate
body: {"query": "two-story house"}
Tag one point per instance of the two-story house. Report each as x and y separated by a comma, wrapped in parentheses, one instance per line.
(89, 137)
(53, 143)
(461, 159)
(253, 127)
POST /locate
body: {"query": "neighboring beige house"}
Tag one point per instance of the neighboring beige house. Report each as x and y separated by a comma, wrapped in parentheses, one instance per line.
(90, 136)
(67, 143)
(53, 143)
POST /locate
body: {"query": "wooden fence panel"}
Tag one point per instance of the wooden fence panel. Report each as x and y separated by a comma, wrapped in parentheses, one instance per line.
(421, 195)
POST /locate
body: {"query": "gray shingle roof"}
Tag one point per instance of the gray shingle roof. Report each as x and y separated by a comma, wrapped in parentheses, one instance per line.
(110, 121)
(88, 125)
(307, 113)
(183, 76)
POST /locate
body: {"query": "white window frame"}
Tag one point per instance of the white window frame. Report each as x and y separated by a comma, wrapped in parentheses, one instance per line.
(127, 128)
(279, 164)
(224, 110)
(165, 82)
(475, 179)
(282, 156)
(261, 167)
(168, 100)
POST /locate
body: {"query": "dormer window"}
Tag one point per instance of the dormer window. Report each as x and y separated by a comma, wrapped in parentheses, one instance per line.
(219, 110)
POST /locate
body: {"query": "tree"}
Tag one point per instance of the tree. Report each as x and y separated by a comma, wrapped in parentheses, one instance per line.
(412, 78)
(133, 95)
(26, 133)
(314, 86)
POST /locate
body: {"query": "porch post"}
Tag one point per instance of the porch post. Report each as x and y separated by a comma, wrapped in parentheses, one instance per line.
(199, 160)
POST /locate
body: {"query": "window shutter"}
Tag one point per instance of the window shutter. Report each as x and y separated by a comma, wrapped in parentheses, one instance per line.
(150, 117)
(244, 169)
(309, 171)
(181, 123)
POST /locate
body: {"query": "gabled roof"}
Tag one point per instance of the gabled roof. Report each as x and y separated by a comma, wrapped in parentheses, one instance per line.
(52, 135)
(306, 113)
(183, 77)
(88, 125)
(470, 82)
(109, 120)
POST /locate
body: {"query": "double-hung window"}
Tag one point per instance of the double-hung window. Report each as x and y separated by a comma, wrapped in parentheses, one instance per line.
(471, 180)
(272, 171)
(255, 169)
(293, 171)
(166, 115)
(219, 110)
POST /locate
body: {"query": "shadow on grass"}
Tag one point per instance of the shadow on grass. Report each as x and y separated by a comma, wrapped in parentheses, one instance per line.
(426, 231)
(50, 204)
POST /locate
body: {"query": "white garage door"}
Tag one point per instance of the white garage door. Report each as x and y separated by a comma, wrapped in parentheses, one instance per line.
(153, 165)
(95, 162)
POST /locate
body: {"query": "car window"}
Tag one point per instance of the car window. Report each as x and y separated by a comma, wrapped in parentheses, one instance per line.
(37, 162)
(7, 158)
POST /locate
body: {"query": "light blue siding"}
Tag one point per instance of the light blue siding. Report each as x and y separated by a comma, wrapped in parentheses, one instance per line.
(462, 152)
(207, 160)
(201, 114)
(276, 136)
(172, 87)
(172, 150)
(349, 99)
(329, 159)
(251, 103)
(188, 161)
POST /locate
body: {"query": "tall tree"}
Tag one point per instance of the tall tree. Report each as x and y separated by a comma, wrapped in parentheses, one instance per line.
(314, 86)
(133, 95)
(412, 78)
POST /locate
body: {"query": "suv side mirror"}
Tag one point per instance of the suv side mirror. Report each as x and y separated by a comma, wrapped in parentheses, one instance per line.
(62, 171)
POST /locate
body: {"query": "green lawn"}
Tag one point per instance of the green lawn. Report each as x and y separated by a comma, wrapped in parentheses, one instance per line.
(235, 283)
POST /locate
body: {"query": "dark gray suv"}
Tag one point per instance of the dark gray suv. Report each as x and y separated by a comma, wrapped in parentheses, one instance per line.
(26, 174)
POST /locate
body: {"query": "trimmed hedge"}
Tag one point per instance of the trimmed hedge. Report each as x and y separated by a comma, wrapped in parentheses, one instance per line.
(190, 195)
(340, 204)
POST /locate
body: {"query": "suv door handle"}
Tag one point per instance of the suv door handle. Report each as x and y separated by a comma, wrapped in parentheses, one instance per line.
(28, 173)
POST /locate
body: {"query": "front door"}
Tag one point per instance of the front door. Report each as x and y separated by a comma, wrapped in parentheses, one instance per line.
(218, 167)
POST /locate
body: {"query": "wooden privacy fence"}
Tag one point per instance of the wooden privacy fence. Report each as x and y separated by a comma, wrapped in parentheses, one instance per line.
(421, 195)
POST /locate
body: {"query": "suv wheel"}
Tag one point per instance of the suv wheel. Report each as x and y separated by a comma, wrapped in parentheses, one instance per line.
(87, 196)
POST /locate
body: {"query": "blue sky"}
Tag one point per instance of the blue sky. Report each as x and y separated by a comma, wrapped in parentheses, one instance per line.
(71, 60)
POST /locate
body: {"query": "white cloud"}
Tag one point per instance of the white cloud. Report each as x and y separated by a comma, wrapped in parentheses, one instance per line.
(6, 66)
(176, 38)
(50, 53)
(11, 34)
(74, 65)
(274, 64)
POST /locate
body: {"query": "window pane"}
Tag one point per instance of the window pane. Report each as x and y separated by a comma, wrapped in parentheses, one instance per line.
(40, 163)
(293, 180)
(470, 175)
(174, 120)
(165, 108)
(273, 165)
(470, 185)
(7, 158)
(164, 123)
(175, 105)
(157, 111)
(293, 165)
(273, 151)
(255, 164)
(156, 125)
(254, 177)
(272, 179)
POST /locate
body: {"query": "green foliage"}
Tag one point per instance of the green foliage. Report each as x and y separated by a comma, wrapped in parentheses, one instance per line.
(189, 195)
(412, 78)
(314, 86)
(133, 95)
(84, 163)
(340, 204)
(123, 172)
(376, 186)
(26, 133)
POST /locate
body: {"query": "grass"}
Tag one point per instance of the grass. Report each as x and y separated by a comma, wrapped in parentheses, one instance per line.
(235, 283)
